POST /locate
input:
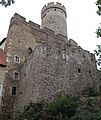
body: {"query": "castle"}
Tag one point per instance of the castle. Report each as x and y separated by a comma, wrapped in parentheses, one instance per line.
(39, 62)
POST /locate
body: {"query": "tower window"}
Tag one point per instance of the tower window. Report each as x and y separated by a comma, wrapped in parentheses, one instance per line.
(89, 71)
(13, 90)
(54, 9)
(16, 75)
(29, 50)
(16, 59)
(79, 70)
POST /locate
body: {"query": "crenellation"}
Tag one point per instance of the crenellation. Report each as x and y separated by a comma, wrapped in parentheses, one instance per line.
(44, 7)
(50, 4)
(17, 19)
(46, 63)
(54, 17)
(71, 41)
(58, 4)
(34, 25)
(53, 5)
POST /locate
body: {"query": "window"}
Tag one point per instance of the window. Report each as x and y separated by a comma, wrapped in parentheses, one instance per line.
(79, 70)
(29, 50)
(0, 90)
(16, 59)
(16, 75)
(89, 71)
(13, 90)
(64, 56)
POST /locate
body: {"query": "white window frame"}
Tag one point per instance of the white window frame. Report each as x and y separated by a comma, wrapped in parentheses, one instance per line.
(14, 75)
(15, 59)
(1, 86)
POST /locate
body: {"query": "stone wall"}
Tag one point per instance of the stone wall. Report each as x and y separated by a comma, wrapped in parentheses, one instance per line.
(49, 65)
(22, 37)
(18, 42)
(56, 66)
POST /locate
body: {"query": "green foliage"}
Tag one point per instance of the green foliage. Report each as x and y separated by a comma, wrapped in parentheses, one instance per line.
(97, 52)
(61, 108)
(92, 91)
(32, 111)
(98, 33)
(7, 2)
(16, 116)
(88, 116)
(98, 3)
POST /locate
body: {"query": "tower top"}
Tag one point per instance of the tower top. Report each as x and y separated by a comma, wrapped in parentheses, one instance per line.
(53, 16)
(53, 5)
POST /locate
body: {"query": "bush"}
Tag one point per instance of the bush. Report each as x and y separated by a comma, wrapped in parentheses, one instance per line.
(61, 108)
(88, 116)
(92, 91)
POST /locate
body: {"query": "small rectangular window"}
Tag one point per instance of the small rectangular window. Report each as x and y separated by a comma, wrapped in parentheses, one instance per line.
(79, 70)
(13, 90)
(16, 59)
(16, 75)
(89, 71)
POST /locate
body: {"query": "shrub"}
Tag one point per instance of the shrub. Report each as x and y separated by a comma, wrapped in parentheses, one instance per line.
(88, 116)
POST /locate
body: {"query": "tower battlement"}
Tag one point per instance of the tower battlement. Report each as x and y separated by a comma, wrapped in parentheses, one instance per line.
(54, 16)
(42, 63)
(50, 5)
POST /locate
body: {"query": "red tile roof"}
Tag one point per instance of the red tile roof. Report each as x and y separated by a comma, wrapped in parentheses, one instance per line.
(2, 62)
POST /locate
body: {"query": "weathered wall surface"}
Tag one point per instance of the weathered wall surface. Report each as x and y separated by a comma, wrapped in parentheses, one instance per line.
(54, 17)
(18, 41)
(51, 66)
(56, 66)
(2, 75)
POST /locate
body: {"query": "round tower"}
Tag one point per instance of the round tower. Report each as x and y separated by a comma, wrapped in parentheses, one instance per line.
(54, 17)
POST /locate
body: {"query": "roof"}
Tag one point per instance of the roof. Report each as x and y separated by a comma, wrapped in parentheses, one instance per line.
(2, 61)
(2, 41)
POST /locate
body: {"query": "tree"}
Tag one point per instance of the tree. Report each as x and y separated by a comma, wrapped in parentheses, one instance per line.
(7, 2)
(88, 116)
(62, 108)
(98, 33)
(98, 3)
(97, 52)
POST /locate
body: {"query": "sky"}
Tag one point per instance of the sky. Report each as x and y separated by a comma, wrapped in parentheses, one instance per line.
(82, 20)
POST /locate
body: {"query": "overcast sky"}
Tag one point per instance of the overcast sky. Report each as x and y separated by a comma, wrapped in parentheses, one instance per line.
(82, 19)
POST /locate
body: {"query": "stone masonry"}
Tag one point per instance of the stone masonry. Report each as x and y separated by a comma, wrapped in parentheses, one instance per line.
(54, 17)
(55, 66)
(41, 63)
